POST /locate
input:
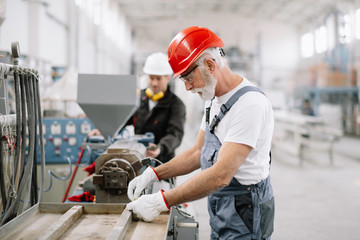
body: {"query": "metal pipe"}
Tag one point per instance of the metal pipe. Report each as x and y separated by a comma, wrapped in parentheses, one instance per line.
(187, 225)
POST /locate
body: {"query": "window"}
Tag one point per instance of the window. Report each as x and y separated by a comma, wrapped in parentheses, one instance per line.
(307, 45)
(357, 24)
(320, 39)
(345, 29)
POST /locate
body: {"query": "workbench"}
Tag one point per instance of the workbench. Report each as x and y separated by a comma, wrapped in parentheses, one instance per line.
(294, 133)
(94, 221)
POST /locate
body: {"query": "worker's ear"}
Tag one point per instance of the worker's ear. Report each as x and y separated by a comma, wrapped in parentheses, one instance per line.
(210, 64)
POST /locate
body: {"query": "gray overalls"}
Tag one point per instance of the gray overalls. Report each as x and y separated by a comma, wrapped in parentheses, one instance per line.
(236, 211)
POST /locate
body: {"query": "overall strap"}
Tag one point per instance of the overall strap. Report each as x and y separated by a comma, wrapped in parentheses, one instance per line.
(208, 111)
(226, 107)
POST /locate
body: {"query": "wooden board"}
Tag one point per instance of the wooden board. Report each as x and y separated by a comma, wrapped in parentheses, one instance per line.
(157, 229)
(82, 221)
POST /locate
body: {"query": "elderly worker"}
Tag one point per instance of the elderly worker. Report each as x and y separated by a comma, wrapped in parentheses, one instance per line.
(161, 111)
(232, 146)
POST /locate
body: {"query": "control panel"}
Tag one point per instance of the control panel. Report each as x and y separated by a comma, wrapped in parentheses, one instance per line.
(63, 138)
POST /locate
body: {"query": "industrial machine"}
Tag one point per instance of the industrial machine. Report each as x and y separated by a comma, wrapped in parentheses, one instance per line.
(114, 169)
(63, 138)
(108, 101)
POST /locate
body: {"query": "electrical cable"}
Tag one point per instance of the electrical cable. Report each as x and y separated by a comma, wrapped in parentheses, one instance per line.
(11, 212)
(32, 136)
(41, 136)
(11, 194)
(60, 178)
(23, 124)
(24, 174)
(2, 180)
(34, 192)
(18, 125)
(7, 199)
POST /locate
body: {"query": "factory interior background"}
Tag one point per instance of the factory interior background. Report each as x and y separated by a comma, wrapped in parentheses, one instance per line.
(294, 50)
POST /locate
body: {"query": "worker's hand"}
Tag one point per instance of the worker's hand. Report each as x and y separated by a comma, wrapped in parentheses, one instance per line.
(140, 183)
(148, 207)
(152, 150)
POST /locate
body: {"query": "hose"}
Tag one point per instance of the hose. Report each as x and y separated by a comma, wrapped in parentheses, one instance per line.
(18, 138)
(18, 125)
(51, 174)
(11, 212)
(32, 136)
(28, 116)
(34, 192)
(41, 136)
(23, 124)
(2, 180)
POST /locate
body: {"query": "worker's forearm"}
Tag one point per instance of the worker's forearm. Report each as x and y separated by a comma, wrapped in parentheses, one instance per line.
(184, 163)
(230, 157)
(197, 187)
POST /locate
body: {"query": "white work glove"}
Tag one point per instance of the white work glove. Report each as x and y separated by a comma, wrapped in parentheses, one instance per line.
(140, 183)
(148, 207)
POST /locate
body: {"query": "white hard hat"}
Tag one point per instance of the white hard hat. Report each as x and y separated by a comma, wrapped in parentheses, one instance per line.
(157, 64)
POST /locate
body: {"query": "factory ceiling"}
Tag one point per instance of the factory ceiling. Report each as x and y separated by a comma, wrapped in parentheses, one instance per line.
(295, 12)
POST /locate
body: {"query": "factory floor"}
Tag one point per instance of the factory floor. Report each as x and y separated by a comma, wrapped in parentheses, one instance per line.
(314, 200)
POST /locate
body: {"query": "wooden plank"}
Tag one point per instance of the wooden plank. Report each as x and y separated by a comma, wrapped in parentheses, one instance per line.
(64, 222)
(156, 229)
(119, 230)
(91, 226)
(93, 208)
(18, 221)
(55, 207)
(97, 221)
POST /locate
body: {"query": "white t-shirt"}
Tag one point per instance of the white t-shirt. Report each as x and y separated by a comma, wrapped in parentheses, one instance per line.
(250, 121)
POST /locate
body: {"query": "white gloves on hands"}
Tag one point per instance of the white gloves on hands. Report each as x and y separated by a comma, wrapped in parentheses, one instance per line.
(148, 207)
(140, 183)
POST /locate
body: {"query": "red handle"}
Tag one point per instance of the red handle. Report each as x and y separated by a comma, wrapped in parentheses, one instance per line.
(73, 175)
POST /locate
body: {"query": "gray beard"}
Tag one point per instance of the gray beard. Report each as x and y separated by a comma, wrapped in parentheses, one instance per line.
(208, 91)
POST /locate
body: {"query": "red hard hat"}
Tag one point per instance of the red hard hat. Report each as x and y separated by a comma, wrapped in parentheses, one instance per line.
(188, 44)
